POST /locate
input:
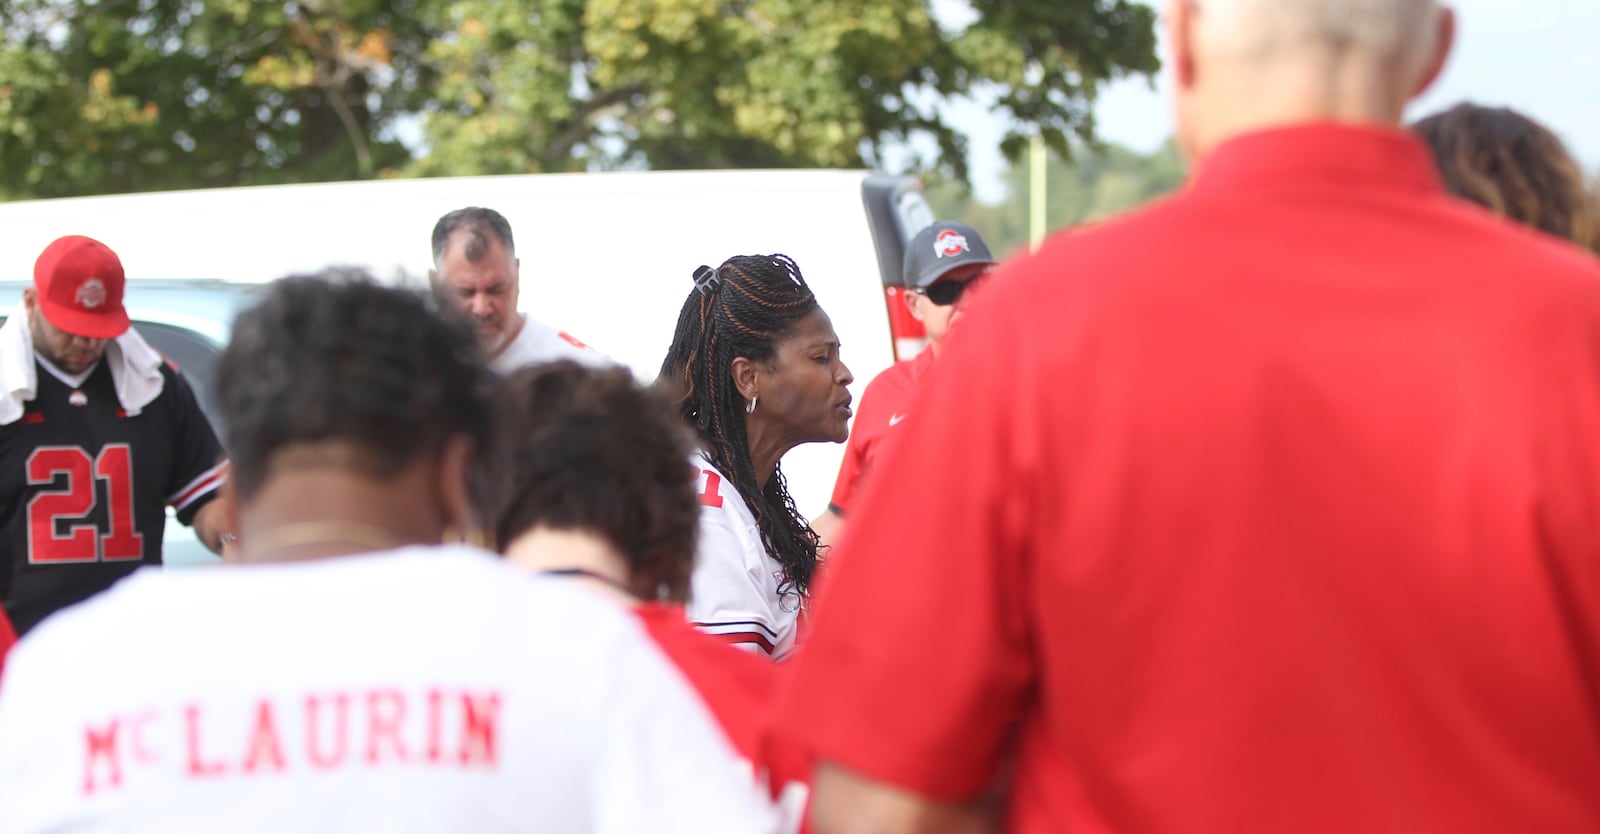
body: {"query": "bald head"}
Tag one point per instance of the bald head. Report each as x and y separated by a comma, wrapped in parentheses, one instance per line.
(1246, 65)
(1261, 28)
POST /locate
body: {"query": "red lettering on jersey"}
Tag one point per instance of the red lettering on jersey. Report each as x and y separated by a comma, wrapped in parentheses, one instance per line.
(435, 726)
(102, 747)
(265, 749)
(480, 724)
(76, 499)
(33, 418)
(122, 414)
(456, 728)
(711, 496)
(571, 339)
(142, 752)
(386, 712)
(124, 543)
(320, 758)
(198, 768)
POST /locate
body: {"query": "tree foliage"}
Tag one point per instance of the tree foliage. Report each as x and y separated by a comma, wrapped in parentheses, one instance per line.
(128, 95)
(120, 95)
(1094, 185)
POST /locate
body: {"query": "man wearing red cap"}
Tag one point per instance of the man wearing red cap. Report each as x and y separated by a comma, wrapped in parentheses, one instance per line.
(98, 434)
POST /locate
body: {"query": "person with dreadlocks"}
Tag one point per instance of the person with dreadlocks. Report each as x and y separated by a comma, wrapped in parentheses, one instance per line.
(755, 367)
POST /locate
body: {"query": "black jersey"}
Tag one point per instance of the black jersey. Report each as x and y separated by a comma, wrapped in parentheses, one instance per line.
(84, 487)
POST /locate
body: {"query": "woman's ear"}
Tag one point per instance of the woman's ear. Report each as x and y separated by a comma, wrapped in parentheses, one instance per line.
(746, 377)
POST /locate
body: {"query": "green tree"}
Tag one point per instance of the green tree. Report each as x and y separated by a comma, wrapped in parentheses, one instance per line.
(118, 95)
(128, 95)
(759, 83)
(1096, 183)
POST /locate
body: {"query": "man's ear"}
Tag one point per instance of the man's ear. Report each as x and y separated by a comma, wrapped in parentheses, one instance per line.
(1444, 39)
(914, 304)
(455, 472)
(30, 298)
(746, 377)
(1180, 34)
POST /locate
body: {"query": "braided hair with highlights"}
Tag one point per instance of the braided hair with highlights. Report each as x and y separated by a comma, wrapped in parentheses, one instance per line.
(743, 308)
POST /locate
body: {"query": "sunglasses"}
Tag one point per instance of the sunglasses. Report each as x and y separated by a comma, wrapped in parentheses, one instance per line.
(945, 293)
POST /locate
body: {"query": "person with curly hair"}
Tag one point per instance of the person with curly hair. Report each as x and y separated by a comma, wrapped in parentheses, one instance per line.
(754, 366)
(353, 674)
(1513, 166)
(588, 476)
(589, 481)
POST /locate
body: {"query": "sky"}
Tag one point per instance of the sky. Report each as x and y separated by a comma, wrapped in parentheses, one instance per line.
(1540, 57)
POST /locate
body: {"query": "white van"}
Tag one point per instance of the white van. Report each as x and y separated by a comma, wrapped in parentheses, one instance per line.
(606, 257)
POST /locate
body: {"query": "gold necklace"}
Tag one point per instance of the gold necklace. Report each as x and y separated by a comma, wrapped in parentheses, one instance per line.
(368, 537)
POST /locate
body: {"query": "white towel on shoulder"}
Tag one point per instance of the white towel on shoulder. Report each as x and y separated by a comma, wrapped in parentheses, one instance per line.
(135, 369)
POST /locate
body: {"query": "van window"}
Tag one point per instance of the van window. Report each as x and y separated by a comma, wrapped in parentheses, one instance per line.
(195, 357)
(913, 212)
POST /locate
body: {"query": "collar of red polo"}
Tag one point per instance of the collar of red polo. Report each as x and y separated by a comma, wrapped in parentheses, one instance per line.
(1322, 153)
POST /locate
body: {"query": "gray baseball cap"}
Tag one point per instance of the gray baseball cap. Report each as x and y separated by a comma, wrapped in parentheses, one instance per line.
(939, 248)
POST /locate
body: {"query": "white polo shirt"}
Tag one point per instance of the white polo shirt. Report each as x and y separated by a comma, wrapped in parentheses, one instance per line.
(537, 343)
(425, 689)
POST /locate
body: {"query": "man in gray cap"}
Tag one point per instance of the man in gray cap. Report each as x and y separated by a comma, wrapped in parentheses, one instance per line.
(942, 262)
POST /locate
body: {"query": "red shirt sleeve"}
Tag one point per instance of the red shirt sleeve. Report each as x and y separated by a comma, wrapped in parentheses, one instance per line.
(922, 621)
(873, 411)
(737, 686)
(850, 468)
(7, 638)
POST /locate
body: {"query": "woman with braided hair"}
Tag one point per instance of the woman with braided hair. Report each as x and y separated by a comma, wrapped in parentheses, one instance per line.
(755, 368)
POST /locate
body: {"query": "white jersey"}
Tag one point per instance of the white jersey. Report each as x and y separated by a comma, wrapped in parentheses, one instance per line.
(733, 592)
(423, 690)
(537, 343)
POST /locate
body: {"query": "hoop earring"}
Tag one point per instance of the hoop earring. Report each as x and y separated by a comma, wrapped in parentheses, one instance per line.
(751, 408)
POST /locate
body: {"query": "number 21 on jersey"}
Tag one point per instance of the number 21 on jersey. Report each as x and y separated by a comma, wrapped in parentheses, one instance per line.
(83, 542)
(711, 492)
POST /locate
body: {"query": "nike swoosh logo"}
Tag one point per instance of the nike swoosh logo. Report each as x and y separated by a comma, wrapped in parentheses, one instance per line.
(896, 418)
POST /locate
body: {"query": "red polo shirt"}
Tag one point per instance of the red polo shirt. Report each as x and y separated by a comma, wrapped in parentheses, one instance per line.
(1273, 507)
(883, 406)
(7, 638)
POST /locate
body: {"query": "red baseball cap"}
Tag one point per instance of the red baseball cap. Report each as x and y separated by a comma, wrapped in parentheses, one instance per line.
(79, 281)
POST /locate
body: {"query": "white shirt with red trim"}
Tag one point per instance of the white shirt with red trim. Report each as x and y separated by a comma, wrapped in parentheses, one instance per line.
(733, 593)
(421, 690)
(537, 343)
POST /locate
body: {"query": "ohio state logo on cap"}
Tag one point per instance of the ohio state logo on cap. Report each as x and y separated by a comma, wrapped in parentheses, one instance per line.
(91, 294)
(949, 244)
